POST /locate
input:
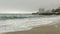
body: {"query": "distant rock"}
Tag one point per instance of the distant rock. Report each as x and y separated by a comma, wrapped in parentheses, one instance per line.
(53, 12)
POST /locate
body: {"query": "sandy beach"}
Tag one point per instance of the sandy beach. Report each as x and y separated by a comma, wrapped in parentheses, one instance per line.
(46, 29)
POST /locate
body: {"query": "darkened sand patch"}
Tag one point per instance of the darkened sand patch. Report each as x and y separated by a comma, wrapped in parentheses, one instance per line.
(47, 29)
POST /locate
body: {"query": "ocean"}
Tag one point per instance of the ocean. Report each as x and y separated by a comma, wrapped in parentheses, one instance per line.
(22, 22)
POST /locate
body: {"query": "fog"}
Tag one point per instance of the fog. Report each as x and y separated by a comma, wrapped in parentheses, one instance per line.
(23, 6)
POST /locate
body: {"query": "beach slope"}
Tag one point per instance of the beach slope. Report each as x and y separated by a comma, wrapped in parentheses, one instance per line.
(46, 29)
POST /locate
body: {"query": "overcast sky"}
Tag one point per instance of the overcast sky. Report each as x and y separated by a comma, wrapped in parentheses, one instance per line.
(27, 5)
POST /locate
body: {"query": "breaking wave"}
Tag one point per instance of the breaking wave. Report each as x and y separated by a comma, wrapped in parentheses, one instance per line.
(11, 23)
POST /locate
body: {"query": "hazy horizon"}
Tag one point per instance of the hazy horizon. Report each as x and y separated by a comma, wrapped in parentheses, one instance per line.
(26, 6)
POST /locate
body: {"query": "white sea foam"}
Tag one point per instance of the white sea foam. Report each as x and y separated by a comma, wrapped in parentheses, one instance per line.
(25, 24)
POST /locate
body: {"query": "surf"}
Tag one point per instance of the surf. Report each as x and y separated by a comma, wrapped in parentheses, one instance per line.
(14, 23)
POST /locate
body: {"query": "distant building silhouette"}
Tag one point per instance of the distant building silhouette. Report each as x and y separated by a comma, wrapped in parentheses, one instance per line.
(48, 12)
(41, 10)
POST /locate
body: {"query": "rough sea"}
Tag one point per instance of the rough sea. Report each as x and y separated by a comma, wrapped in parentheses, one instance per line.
(22, 22)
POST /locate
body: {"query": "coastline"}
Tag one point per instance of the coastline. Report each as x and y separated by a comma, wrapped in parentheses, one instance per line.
(46, 29)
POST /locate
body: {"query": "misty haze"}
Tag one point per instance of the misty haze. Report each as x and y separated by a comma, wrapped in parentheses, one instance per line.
(18, 6)
(29, 16)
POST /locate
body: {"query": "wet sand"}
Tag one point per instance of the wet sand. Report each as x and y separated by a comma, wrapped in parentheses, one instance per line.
(47, 29)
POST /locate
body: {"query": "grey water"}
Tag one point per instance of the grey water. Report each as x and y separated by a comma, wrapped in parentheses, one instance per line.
(22, 22)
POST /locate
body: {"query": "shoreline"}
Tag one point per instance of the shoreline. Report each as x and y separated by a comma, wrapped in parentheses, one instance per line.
(46, 29)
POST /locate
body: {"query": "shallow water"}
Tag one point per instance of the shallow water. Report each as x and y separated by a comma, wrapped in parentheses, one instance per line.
(11, 23)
